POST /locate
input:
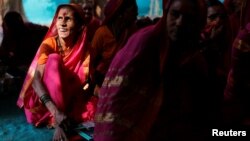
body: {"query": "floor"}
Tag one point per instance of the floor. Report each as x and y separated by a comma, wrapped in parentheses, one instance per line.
(13, 125)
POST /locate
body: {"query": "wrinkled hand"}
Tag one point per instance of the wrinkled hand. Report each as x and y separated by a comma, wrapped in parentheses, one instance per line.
(63, 121)
(59, 135)
(216, 31)
(60, 117)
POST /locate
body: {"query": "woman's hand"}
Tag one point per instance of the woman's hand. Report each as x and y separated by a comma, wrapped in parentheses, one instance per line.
(57, 114)
(216, 31)
(59, 135)
(63, 121)
(59, 117)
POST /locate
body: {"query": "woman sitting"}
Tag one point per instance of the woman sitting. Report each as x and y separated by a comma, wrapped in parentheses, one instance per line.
(53, 92)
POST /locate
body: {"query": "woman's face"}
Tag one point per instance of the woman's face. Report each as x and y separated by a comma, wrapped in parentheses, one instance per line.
(66, 24)
(181, 20)
(215, 14)
(88, 11)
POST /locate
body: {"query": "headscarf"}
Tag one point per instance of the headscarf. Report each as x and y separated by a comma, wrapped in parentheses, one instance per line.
(114, 7)
(202, 14)
(73, 62)
(200, 21)
(52, 30)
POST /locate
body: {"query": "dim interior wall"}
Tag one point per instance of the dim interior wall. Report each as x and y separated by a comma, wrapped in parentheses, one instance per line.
(11, 5)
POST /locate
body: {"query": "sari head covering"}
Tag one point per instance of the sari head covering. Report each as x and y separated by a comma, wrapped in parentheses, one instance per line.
(74, 61)
(199, 18)
(79, 13)
(201, 15)
(115, 7)
(131, 96)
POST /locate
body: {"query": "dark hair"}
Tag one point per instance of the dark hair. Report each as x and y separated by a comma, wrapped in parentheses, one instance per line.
(211, 3)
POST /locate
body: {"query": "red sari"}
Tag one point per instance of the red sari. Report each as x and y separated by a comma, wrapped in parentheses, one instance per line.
(64, 78)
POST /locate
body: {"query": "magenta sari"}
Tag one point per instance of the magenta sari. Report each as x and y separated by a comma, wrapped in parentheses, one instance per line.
(113, 118)
(131, 101)
(64, 78)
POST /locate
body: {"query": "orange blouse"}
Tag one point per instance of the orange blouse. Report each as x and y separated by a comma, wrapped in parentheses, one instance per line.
(48, 46)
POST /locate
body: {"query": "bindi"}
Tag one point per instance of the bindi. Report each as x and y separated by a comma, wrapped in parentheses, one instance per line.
(64, 13)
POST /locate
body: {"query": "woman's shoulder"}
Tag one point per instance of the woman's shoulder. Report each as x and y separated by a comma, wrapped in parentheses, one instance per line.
(102, 30)
(101, 34)
(142, 38)
(145, 32)
(51, 42)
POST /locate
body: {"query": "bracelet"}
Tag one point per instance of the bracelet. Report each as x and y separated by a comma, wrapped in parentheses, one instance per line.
(45, 98)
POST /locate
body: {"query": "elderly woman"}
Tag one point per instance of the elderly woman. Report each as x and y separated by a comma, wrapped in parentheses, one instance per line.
(117, 27)
(157, 86)
(52, 93)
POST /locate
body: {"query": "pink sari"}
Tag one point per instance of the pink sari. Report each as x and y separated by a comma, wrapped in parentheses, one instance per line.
(64, 78)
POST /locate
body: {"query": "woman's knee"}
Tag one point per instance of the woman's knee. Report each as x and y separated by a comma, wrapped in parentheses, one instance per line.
(54, 56)
(54, 60)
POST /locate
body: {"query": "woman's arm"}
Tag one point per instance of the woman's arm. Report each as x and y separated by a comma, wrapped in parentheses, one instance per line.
(41, 91)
